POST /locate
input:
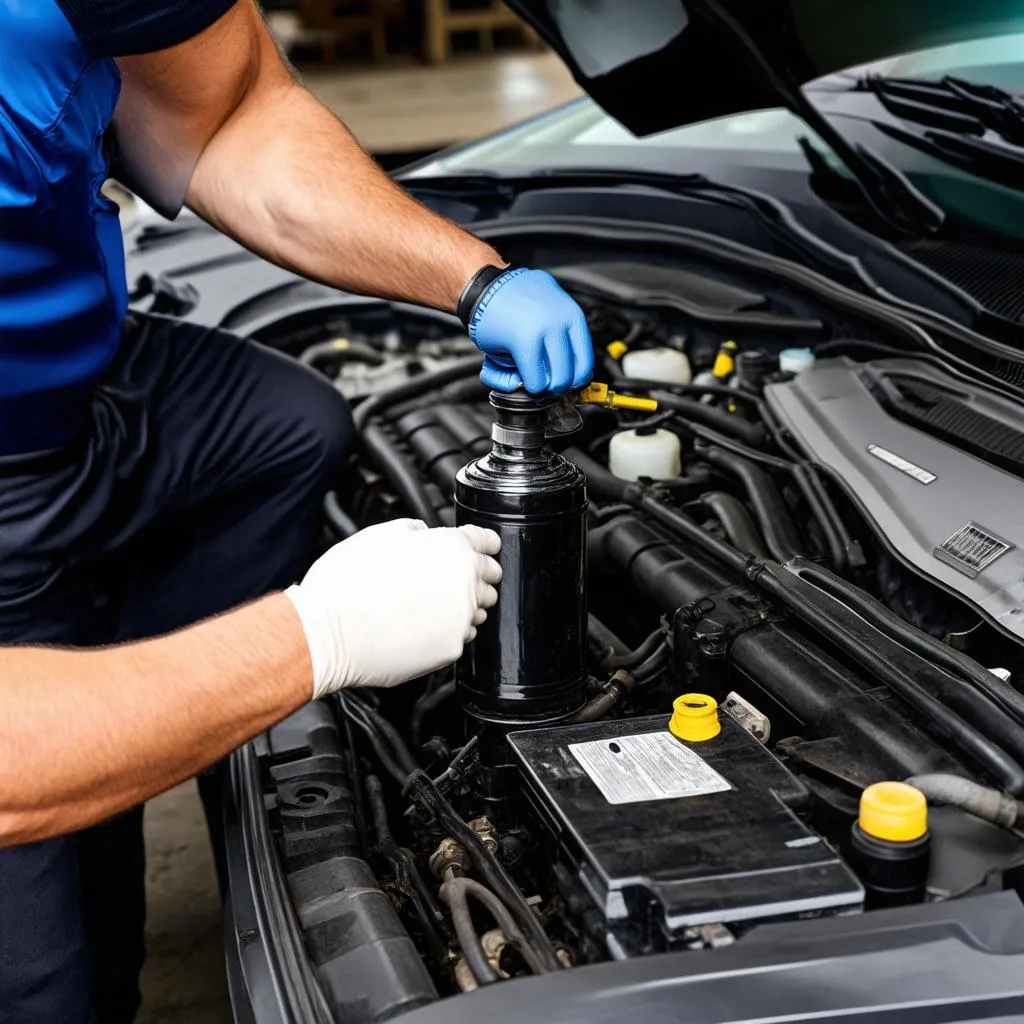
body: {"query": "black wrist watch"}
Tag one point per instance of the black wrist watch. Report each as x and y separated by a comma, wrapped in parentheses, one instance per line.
(475, 288)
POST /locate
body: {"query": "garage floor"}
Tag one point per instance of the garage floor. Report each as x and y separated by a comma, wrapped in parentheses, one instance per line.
(404, 106)
(184, 975)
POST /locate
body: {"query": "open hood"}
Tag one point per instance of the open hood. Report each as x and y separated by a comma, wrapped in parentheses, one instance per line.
(659, 64)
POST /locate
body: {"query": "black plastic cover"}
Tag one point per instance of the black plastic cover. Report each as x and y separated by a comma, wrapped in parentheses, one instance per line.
(730, 850)
(961, 961)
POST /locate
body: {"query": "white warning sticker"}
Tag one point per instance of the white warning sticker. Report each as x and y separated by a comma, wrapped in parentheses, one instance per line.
(651, 766)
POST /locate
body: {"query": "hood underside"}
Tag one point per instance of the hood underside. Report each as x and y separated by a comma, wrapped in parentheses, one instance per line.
(659, 64)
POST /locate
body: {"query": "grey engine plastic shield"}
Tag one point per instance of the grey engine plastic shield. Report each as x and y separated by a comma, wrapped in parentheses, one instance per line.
(947, 512)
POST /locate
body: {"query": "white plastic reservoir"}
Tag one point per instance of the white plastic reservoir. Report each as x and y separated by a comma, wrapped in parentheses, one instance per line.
(665, 365)
(796, 360)
(633, 454)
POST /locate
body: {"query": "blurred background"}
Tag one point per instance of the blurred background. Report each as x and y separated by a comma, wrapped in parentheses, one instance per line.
(412, 76)
(408, 77)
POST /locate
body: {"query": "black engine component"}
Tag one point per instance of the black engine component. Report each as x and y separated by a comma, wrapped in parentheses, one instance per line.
(721, 846)
(528, 663)
(366, 963)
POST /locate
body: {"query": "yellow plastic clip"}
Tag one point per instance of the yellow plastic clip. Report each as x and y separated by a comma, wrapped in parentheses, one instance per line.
(598, 394)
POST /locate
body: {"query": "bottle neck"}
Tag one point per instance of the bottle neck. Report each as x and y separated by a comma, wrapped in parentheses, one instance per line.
(519, 427)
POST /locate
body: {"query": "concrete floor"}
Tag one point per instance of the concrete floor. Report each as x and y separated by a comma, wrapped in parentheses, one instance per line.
(402, 106)
(183, 980)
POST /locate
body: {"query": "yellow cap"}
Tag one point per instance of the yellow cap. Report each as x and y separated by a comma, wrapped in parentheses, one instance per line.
(341, 344)
(725, 361)
(617, 349)
(695, 718)
(893, 811)
(598, 394)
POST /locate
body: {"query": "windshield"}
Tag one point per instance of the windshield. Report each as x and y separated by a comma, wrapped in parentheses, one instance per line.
(582, 135)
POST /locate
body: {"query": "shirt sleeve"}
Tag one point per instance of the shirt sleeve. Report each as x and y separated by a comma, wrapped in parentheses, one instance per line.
(121, 28)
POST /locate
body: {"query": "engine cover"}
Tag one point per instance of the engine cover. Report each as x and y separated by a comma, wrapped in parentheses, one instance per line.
(934, 462)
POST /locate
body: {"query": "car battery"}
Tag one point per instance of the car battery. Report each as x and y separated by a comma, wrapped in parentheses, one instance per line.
(675, 839)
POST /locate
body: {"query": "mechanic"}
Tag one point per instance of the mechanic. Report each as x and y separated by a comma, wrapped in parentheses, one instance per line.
(154, 474)
(86, 734)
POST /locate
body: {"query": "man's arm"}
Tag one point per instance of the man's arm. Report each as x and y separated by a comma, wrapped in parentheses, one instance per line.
(220, 121)
(283, 175)
(86, 734)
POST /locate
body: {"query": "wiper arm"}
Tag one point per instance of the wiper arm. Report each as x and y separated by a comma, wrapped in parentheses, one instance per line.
(887, 191)
(950, 104)
(996, 162)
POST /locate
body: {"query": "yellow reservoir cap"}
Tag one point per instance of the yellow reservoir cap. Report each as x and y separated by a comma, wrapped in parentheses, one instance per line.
(893, 811)
(617, 349)
(695, 718)
(725, 361)
(599, 394)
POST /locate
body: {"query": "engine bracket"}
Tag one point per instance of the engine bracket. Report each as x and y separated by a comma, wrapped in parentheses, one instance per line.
(706, 629)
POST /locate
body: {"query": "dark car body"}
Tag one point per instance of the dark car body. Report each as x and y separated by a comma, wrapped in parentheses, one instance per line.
(931, 255)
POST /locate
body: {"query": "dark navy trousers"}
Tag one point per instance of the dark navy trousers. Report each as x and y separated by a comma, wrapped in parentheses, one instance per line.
(197, 486)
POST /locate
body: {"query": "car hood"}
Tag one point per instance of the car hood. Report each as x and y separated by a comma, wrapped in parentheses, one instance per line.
(659, 64)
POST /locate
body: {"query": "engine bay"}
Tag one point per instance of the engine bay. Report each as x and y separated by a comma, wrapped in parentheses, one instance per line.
(785, 571)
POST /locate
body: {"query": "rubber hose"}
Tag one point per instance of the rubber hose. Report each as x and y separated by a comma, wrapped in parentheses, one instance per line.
(981, 801)
(596, 708)
(426, 704)
(921, 643)
(421, 789)
(391, 735)
(400, 474)
(600, 481)
(684, 526)
(752, 434)
(354, 714)
(953, 727)
(599, 514)
(737, 522)
(339, 521)
(469, 940)
(414, 388)
(611, 695)
(603, 638)
(770, 510)
(836, 537)
(631, 659)
(354, 352)
(406, 877)
(502, 917)
(696, 390)
(814, 494)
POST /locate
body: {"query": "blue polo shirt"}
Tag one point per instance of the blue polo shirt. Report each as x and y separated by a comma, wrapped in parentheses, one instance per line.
(63, 293)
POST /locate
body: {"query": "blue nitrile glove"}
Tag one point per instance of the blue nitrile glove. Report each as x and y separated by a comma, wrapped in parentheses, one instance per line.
(531, 332)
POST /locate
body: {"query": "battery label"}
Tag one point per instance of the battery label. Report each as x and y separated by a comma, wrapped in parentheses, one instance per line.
(651, 766)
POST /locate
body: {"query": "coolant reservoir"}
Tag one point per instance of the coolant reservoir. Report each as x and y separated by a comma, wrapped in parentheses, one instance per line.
(796, 360)
(665, 365)
(656, 454)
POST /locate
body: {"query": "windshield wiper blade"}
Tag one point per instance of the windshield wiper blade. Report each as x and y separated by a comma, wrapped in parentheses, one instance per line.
(996, 162)
(950, 104)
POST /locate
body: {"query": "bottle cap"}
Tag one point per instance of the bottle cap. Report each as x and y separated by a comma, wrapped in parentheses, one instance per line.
(617, 349)
(695, 718)
(893, 811)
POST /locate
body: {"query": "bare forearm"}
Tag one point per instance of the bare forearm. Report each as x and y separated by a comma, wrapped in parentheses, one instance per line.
(286, 178)
(86, 734)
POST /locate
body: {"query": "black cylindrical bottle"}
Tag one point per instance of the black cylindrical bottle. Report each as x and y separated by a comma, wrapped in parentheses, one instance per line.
(527, 665)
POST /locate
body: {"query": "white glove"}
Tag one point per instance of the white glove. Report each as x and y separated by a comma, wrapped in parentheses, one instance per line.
(395, 602)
